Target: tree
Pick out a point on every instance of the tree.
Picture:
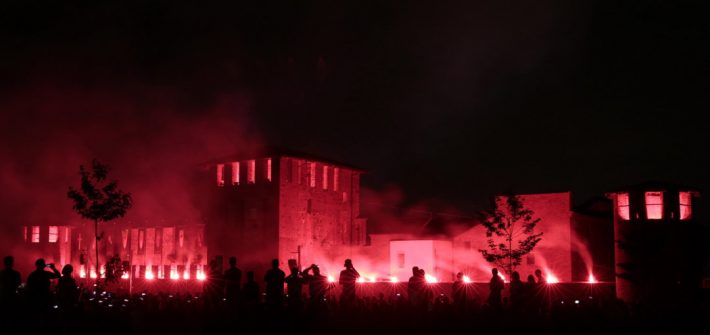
(99, 199)
(510, 229)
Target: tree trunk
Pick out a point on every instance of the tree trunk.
(96, 235)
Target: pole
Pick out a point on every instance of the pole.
(96, 248)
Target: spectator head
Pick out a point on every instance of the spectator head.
(40, 264)
(515, 276)
(494, 271)
(275, 263)
(67, 270)
(9, 262)
(232, 261)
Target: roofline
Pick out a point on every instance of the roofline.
(278, 152)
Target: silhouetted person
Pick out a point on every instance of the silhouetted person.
(9, 282)
(348, 281)
(274, 279)
(516, 288)
(495, 286)
(38, 285)
(250, 291)
(458, 290)
(415, 287)
(232, 282)
(317, 285)
(294, 289)
(540, 280)
(531, 294)
(67, 290)
(213, 286)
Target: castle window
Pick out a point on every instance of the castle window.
(685, 205)
(53, 235)
(400, 260)
(220, 174)
(325, 177)
(531, 259)
(235, 173)
(654, 205)
(24, 233)
(345, 197)
(336, 176)
(35, 234)
(622, 206)
(251, 171)
(268, 169)
(312, 174)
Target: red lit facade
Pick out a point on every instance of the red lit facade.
(291, 207)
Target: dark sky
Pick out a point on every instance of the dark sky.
(446, 101)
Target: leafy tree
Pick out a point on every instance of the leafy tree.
(510, 229)
(99, 199)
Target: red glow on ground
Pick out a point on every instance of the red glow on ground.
(394, 280)
(82, 272)
(149, 274)
(430, 279)
(361, 280)
(551, 279)
(201, 274)
(186, 275)
(331, 279)
(467, 279)
(123, 276)
(591, 279)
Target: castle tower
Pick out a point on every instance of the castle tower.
(286, 205)
(659, 245)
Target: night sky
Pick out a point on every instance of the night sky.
(449, 103)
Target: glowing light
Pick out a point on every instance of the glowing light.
(186, 274)
(331, 279)
(361, 280)
(200, 275)
(124, 275)
(82, 272)
(92, 274)
(174, 273)
(394, 279)
(430, 279)
(467, 279)
(591, 279)
(502, 277)
(551, 279)
(149, 273)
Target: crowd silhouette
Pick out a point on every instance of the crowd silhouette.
(50, 300)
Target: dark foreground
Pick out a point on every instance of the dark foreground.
(144, 313)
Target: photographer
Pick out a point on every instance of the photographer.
(38, 284)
